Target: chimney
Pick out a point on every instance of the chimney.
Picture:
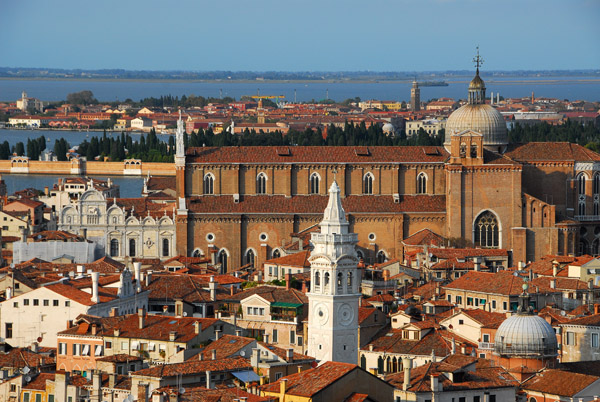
(255, 357)
(23, 235)
(116, 332)
(172, 336)
(148, 278)
(94, 329)
(238, 332)
(141, 317)
(213, 354)
(553, 283)
(289, 355)
(477, 264)
(69, 324)
(142, 395)
(407, 364)
(137, 268)
(112, 380)
(208, 382)
(591, 284)
(96, 392)
(196, 327)
(200, 356)
(282, 387)
(114, 312)
(231, 290)
(95, 277)
(212, 287)
(554, 269)
(46, 191)
(217, 334)
(304, 289)
(266, 338)
(34, 347)
(288, 279)
(434, 383)
(8, 293)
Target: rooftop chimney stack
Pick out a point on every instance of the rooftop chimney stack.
(137, 268)
(212, 287)
(95, 296)
(407, 363)
(217, 334)
(213, 354)
(141, 318)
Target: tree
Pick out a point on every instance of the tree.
(20, 149)
(4, 150)
(81, 98)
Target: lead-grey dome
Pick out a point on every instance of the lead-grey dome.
(480, 118)
(525, 335)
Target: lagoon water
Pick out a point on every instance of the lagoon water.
(572, 88)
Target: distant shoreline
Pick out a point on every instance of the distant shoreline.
(527, 80)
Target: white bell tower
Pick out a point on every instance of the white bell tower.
(334, 295)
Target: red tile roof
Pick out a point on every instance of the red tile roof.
(79, 296)
(191, 367)
(310, 382)
(308, 154)
(39, 383)
(425, 237)
(502, 282)
(299, 259)
(550, 151)
(315, 204)
(272, 294)
(559, 382)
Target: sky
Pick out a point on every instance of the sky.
(307, 35)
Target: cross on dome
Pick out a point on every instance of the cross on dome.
(478, 60)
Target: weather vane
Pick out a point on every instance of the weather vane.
(478, 60)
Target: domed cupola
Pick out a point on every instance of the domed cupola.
(477, 116)
(525, 335)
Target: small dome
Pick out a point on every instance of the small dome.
(481, 118)
(477, 82)
(525, 335)
(388, 128)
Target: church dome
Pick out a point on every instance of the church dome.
(477, 83)
(388, 128)
(480, 118)
(525, 335)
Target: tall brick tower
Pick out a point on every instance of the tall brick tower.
(415, 97)
(181, 218)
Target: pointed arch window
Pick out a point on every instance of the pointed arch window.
(209, 183)
(381, 257)
(223, 260)
(581, 183)
(250, 257)
(314, 183)
(114, 248)
(261, 183)
(487, 231)
(276, 253)
(197, 253)
(581, 207)
(326, 280)
(422, 183)
(368, 183)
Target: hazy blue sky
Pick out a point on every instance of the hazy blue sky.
(292, 35)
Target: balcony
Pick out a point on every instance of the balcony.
(486, 345)
(587, 218)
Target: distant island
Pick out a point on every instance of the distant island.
(426, 78)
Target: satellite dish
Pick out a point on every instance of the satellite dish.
(128, 399)
(563, 313)
(39, 339)
(242, 353)
(185, 313)
(26, 370)
(27, 379)
(182, 390)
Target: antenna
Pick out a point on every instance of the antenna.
(26, 370)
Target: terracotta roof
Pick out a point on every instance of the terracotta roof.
(39, 383)
(315, 204)
(364, 313)
(559, 382)
(393, 342)
(119, 358)
(502, 282)
(272, 294)
(486, 318)
(485, 375)
(20, 357)
(191, 367)
(79, 296)
(282, 353)
(188, 288)
(201, 394)
(592, 321)
(424, 237)
(299, 259)
(550, 151)
(145, 206)
(55, 235)
(226, 346)
(355, 397)
(308, 154)
(312, 381)
(446, 253)
(156, 327)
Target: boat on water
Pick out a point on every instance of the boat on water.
(433, 84)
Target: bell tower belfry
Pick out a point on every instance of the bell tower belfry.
(334, 295)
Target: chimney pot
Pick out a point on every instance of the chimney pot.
(213, 354)
(217, 334)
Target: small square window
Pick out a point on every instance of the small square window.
(55, 303)
(36, 302)
(46, 302)
(67, 303)
(15, 304)
(26, 302)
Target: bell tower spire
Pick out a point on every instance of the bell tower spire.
(335, 280)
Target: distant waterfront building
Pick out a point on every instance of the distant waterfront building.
(26, 103)
(415, 97)
(431, 126)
